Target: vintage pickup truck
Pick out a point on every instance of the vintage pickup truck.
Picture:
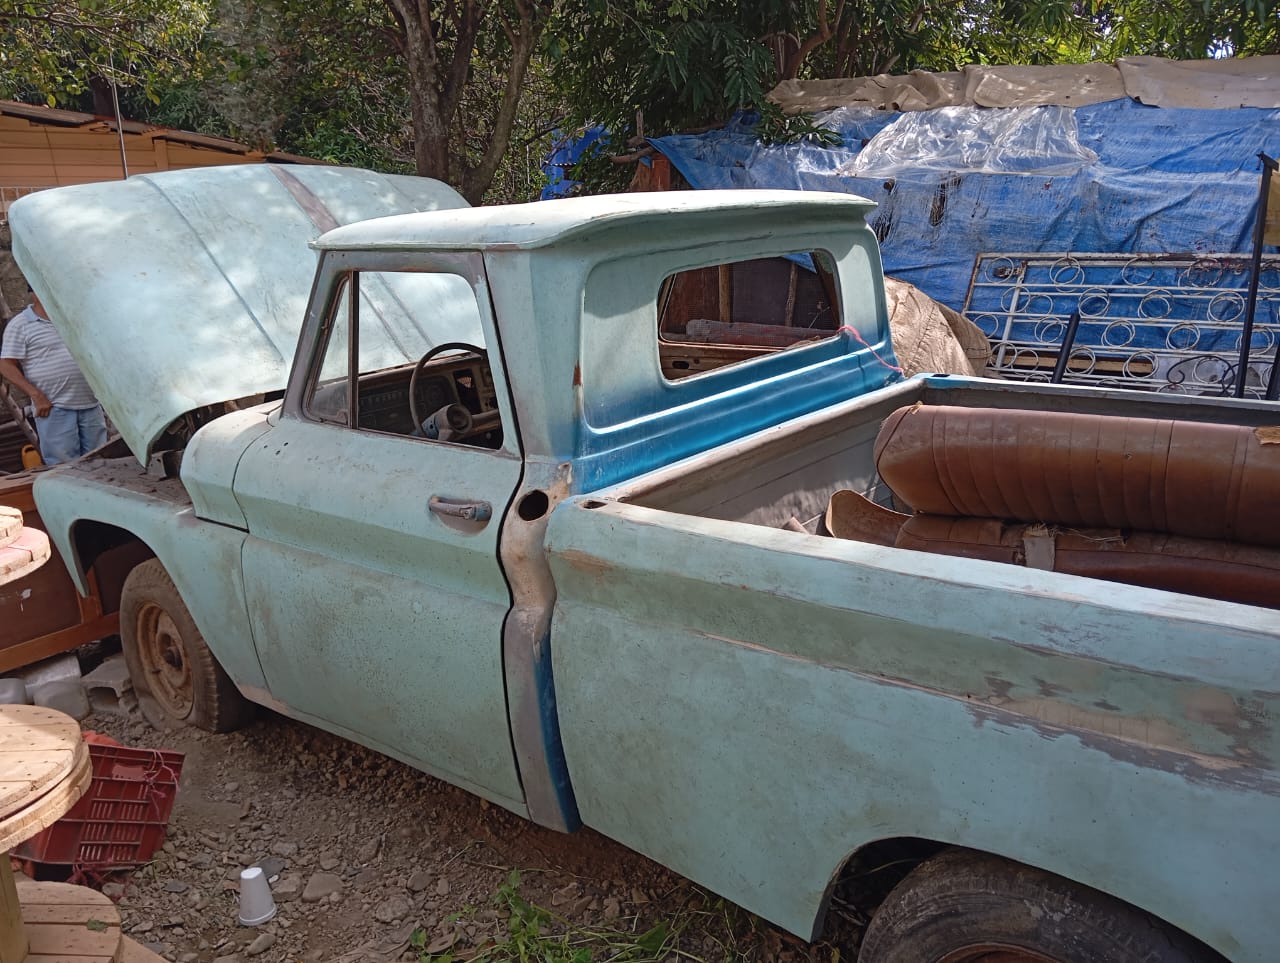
(507, 518)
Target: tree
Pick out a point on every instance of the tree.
(680, 62)
(63, 48)
(439, 42)
(685, 63)
(431, 86)
(1185, 28)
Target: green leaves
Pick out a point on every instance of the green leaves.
(56, 47)
(775, 127)
(683, 62)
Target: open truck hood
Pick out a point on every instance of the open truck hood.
(188, 288)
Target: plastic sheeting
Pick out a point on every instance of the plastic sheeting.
(1017, 140)
(1164, 180)
(1226, 83)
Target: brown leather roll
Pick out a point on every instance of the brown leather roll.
(1084, 471)
(1192, 566)
(854, 516)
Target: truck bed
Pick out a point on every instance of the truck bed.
(1082, 726)
(792, 470)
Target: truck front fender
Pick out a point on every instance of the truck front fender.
(86, 502)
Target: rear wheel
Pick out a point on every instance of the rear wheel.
(176, 678)
(967, 907)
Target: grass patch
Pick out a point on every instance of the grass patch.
(705, 930)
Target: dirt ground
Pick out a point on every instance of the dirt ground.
(364, 851)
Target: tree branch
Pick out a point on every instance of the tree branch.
(824, 32)
(477, 180)
(455, 80)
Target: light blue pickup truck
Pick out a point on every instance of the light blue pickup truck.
(617, 512)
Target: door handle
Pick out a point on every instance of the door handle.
(467, 511)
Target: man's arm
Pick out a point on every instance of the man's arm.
(11, 371)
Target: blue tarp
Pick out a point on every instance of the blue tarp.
(1165, 180)
(566, 152)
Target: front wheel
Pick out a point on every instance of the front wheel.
(175, 676)
(968, 907)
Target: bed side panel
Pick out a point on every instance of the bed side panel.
(748, 706)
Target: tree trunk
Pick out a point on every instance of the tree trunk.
(436, 87)
(523, 40)
(103, 105)
(430, 133)
(431, 117)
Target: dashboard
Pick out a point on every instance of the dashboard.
(383, 399)
(384, 396)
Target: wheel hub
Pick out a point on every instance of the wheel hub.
(996, 953)
(164, 661)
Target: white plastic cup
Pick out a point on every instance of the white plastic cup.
(256, 903)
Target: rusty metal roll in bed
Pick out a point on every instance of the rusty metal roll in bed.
(1092, 471)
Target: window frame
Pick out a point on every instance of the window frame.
(338, 275)
(826, 269)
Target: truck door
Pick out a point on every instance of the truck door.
(371, 570)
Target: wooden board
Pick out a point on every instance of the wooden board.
(50, 807)
(44, 770)
(13, 936)
(10, 524)
(32, 737)
(23, 554)
(26, 772)
(43, 614)
(73, 923)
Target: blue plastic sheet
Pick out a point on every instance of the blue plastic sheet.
(568, 150)
(1165, 180)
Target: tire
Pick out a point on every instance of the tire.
(175, 677)
(968, 907)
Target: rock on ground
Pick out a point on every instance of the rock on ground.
(315, 804)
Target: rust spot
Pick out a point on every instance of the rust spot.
(1000, 687)
(1151, 749)
(577, 375)
(587, 564)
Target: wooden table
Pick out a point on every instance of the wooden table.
(44, 770)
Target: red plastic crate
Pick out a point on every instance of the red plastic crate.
(121, 820)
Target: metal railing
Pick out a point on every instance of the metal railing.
(1165, 322)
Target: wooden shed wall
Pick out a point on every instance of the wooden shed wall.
(64, 147)
(34, 155)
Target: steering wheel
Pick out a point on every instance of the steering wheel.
(418, 416)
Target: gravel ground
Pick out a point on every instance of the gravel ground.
(364, 850)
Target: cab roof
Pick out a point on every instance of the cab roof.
(522, 227)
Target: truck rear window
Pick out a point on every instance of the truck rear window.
(724, 314)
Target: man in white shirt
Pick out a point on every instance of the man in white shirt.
(69, 420)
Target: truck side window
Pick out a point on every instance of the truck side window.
(329, 395)
(724, 314)
(405, 355)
